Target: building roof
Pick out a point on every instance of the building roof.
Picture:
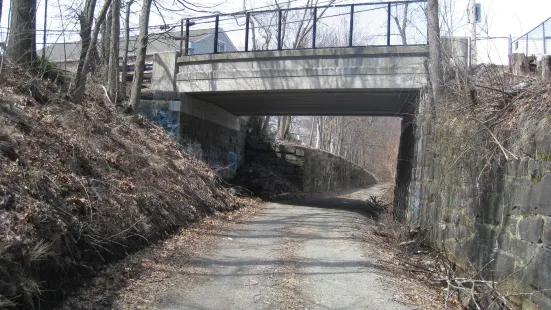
(158, 43)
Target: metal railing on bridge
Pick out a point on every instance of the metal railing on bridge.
(348, 25)
(536, 41)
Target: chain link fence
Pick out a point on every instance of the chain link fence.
(535, 42)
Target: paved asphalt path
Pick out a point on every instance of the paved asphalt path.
(305, 254)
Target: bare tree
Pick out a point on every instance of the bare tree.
(105, 43)
(0, 12)
(403, 24)
(140, 56)
(21, 47)
(113, 67)
(80, 79)
(45, 32)
(435, 51)
(265, 125)
(126, 46)
(86, 18)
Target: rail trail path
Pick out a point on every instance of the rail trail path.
(304, 254)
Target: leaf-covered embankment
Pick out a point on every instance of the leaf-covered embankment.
(83, 185)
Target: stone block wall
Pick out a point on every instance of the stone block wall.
(499, 223)
(285, 160)
(222, 148)
(309, 169)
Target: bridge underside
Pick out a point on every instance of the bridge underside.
(314, 102)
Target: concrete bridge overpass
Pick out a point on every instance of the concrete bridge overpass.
(382, 81)
(207, 98)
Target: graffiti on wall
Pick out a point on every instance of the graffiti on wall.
(232, 162)
(416, 199)
(168, 120)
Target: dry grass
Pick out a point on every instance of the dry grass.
(82, 185)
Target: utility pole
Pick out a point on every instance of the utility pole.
(472, 17)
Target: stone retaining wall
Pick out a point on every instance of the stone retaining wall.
(309, 169)
(499, 223)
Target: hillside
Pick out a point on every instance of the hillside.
(83, 185)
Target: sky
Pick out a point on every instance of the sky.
(501, 18)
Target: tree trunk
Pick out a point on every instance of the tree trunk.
(113, 67)
(80, 78)
(21, 47)
(281, 127)
(125, 50)
(312, 131)
(435, 51)
(341, 136)
(518, 64)
(402, 27)
(546, 67)
(105, 44)
(265, 126)
(140, 57)
(44, 34)
(85, 18)
(0, 12)
(319, 138)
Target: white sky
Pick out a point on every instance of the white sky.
(501, 18)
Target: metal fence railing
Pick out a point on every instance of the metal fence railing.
(536, 42)
(350, 25)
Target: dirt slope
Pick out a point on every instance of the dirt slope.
(81, 186)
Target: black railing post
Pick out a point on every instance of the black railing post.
(216, 22)
(279, 43)
(544, 47)
(315, 19)
(351, 37)
(247, 20)
(186, 42)
(388, 26)
(181, 37)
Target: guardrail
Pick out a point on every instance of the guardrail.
(349, 25)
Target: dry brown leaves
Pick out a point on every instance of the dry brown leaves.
(90, 182)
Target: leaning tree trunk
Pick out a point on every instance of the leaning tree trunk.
(113, 67)
(85, 19)
(21, 47)
(80, 79)
(136, 91)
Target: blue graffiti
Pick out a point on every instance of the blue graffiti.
(416, 200)
(168, 120)
(232, 159)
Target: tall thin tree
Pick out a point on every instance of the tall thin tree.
(125, 48)
(435, 51)
(80, 79)
(113, 66)
(139, 66)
